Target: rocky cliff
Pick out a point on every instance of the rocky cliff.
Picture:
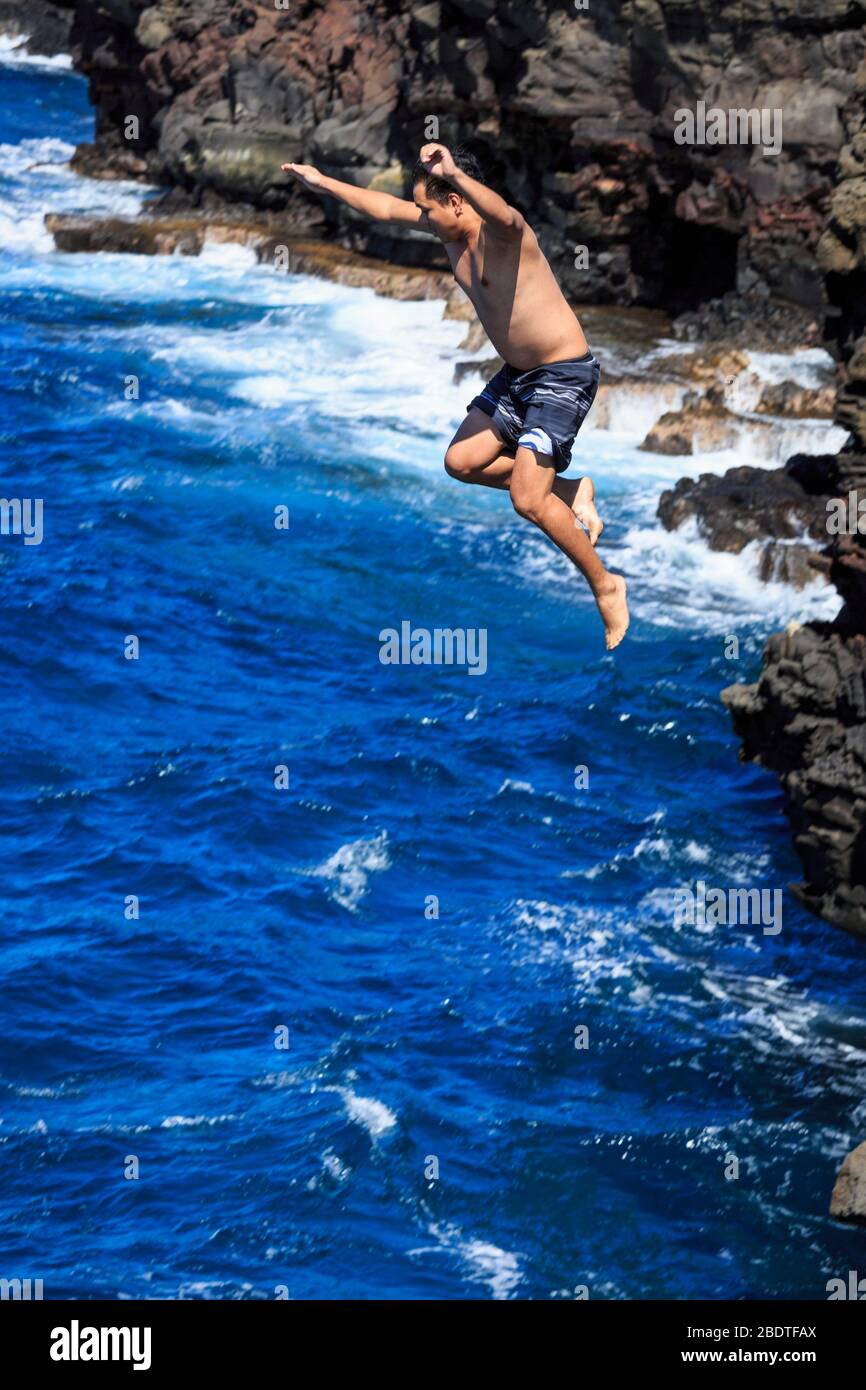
(571, 106)
(806, 716)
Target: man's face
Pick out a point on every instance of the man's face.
(443, 219)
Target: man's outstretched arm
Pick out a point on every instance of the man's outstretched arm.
(502, 220)
(382, 207)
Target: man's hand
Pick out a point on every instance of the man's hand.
(437, 160)
(307, 175)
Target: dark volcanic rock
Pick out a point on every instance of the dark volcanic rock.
(47, 26)
(572, 111)
(806, 715)
(754, 321)
(806, 719)
(746, 504)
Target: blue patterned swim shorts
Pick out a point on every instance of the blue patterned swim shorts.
(544, 408)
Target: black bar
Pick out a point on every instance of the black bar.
(252, 1336)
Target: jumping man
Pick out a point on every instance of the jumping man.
(518, 433)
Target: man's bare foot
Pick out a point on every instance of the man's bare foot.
(584, 510)
(613, 607)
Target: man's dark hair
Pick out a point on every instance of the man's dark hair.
(437, 188)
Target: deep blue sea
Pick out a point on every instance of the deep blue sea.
(416, 1043)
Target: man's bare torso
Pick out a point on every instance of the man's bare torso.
(517, 298)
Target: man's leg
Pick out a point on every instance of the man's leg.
(533, 496)
(477, 454)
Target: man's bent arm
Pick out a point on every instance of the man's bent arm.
(502, 219)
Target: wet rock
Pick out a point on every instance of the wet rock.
(848, 1202)
(709, 366)
(46, 26)
(755, 322)
(702, 425)
(747, 505)
(485, 368)
(798, 402)
(805, 719)
(475, 339)
(271, 242)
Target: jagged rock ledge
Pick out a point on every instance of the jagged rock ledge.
(186, 235)
(572, 112)
(782, 509)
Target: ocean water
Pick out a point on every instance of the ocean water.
(431, 908)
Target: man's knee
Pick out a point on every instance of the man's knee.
(526, 501)
(457, 465)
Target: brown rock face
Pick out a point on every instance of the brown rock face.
(574, 112)
(797, 401)
(848, 1202)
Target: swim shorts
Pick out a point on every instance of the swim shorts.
(544, 408)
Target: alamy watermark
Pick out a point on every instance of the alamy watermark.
(22, 516)
(846, 516)
(77, 1343)
(731, 907)
(853, 1289)
(737, 126)
(21, 1290)
(438, 646)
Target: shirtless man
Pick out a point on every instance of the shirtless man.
(518, 433)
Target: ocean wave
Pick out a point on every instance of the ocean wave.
(334, 1172)
(347, 871)
(194, 1121)
(484, 1262)
(14, 52)
(372, 1115)
(685, 584)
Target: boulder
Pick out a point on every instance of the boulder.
(848, 1202)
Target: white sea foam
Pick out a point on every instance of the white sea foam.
(347, 871)
(485, 1263)
(333, 1170)
(39, 180)
(323, 363)
(810, 368)
(631, 408)
(194, 1121)
(14, 53)
(684, 584)
(759, 440)
(371, 1114)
